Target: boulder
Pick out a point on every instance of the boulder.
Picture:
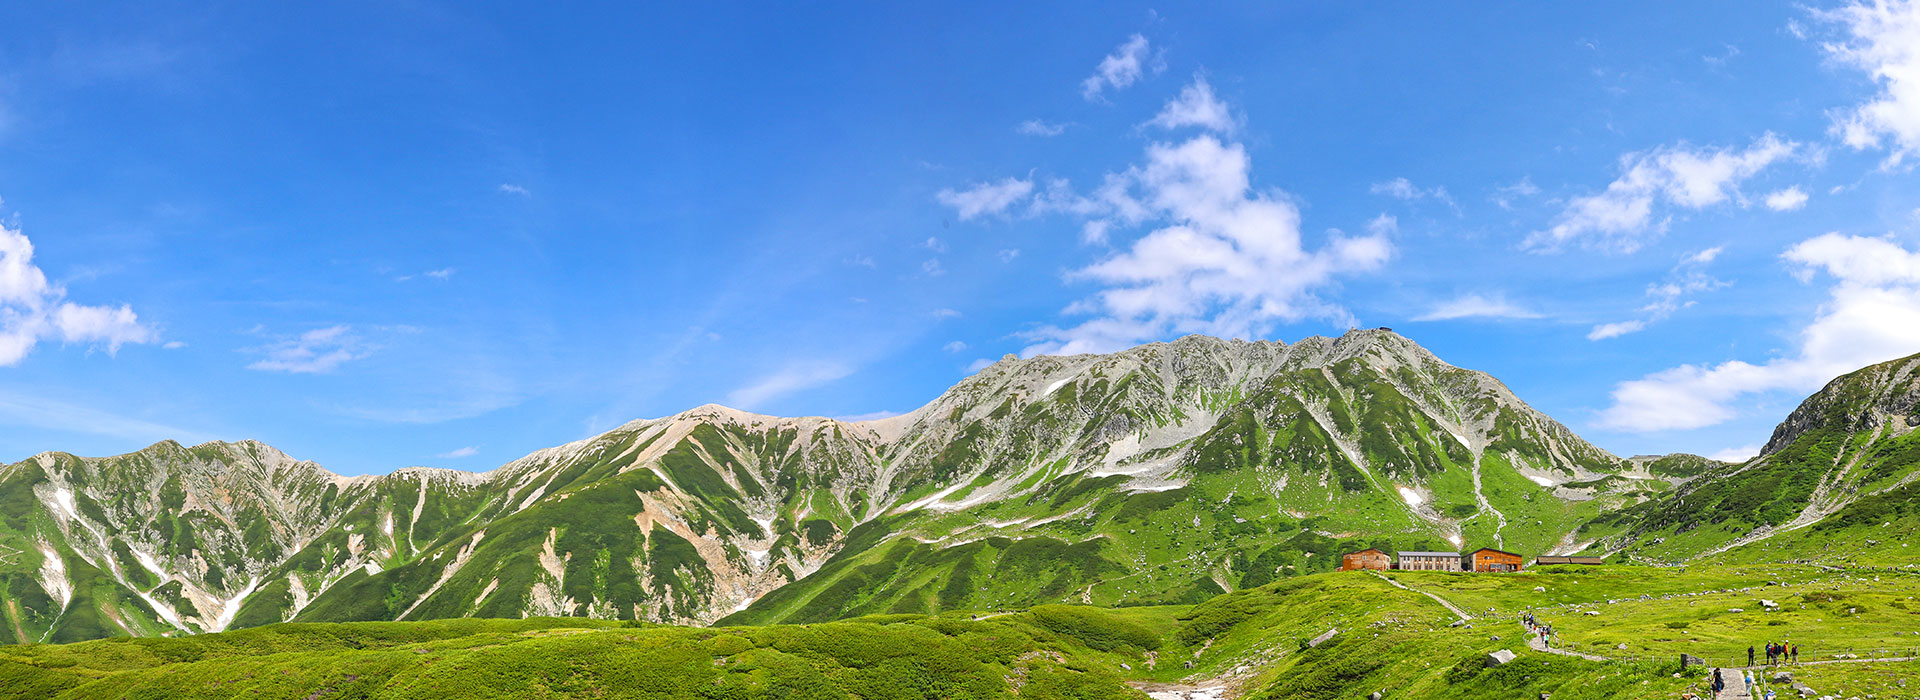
(1500, 658)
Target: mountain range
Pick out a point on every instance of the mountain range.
(1165, 473)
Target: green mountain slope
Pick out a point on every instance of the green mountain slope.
(1835, 475)
(1169, 472)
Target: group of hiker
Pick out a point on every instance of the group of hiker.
(1718, 682)
(1543, 629)
(1777, 653)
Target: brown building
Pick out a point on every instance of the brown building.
(1493, 560)
(1545, 561)
(1429, 561)
(1365, 559)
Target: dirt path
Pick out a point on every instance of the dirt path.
(1535, 643)
(1450, 606)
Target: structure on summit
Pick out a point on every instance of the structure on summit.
(1373, 559)
(1489, 560)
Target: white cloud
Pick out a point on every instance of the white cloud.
(1788, 199)
(1037, 127)
(1008, 255)
(1736, 454)
(515, 190)
(1196, 106)
(979, 364)
(467, 451)
(932, 268)
(315, 351)
(1621, 218)
(174, 345)
(945, 314)
(986, 198)
(796, 377)
(1476, 306)
(1119, 69)
(441, 274)
(1705, 256)
(955, 346)
(863, 417)
(1505, 195)
(1872, 314)
(1615, 330)
(1883, 39)
(936, 245)
(1226, 260)
(1404, 189)
(1687, 278)
(33, 309)
(860, 260)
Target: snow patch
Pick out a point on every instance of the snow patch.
(53, 576)
(151, 564)
(766, 524)
(1541, 480)
(63, 498)
(1136, 486)
(1455, 539)
(1412, 497)
(231, 606)
(1055, 386)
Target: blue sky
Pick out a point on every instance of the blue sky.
(449, 234)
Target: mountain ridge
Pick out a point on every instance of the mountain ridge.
(1166, 472)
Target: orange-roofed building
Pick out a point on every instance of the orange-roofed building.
(1372, 559)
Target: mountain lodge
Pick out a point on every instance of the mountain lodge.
(1490, 560)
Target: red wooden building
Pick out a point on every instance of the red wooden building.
(1487, 559)
(1365, 559)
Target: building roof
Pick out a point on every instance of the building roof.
(1363, 551)
(1430, 554)
(1490, 549)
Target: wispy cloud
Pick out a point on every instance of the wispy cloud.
(986, 198)
(955, 346)
(1688, 277)
(43, 413)
(863, 417)
(517, 190)
(796, 377)
(1477, 306)
(1041, 128)
(1121, 68)
(1621, 218)
(468, 451)
(1403, 189)
(1872, 314)
(315, 351)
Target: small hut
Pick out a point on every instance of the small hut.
(1373, 559)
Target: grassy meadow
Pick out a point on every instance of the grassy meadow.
(1391, 640)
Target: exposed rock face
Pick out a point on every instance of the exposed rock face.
(1035, 480)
